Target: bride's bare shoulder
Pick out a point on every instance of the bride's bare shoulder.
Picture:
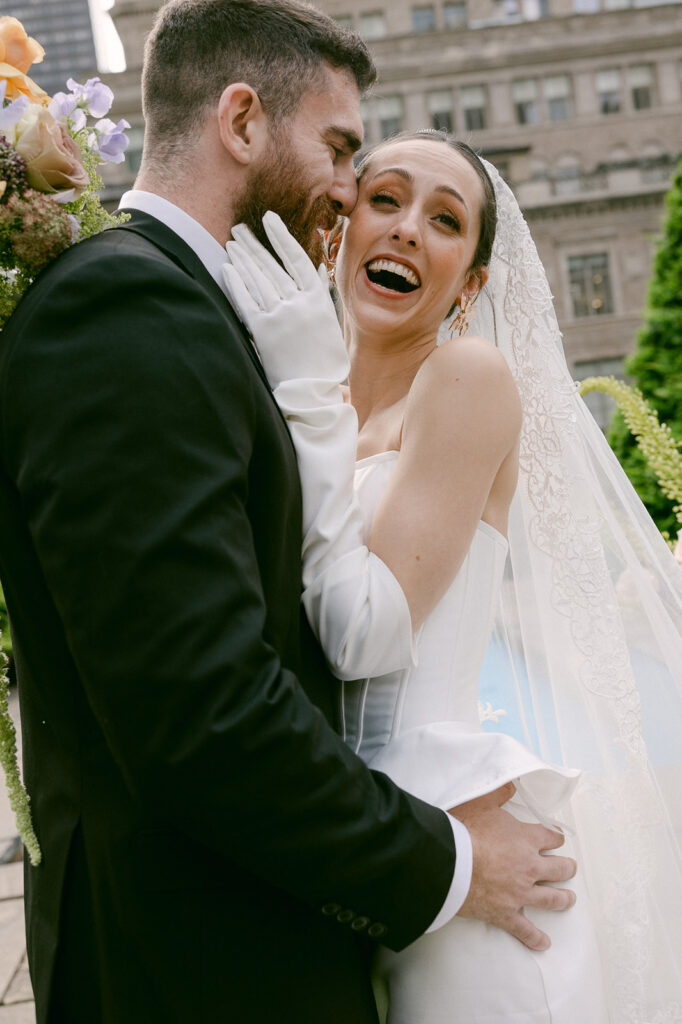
(471, 363)
(466, 381)
(472, 353)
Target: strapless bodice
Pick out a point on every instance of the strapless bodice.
(421, 724)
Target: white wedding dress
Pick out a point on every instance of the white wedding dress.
(420, 726)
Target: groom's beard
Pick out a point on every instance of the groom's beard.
(279, 185)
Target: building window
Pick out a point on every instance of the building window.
(390, 111)
(366, 114)
(534, 9)
(600, 405)
(474, 103)
(608, 90)
(440, 109)
(586, 6)
(617, 5)
(525, 93)
(641, 82)
(590, 284)
(455, 15)
(655, 165)
(567, 175)
(373, 25)
(344, 20)
(559, 98)
(424, 19)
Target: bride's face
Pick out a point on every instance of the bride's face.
(408, 246)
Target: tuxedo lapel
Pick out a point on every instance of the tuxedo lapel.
(184, 256)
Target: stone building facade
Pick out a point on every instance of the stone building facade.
(578, 102)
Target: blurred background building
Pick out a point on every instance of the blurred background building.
(78, 37)
(577, 102)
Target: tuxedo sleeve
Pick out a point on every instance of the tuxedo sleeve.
(130, 428)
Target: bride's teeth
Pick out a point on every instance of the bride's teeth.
(395, 268)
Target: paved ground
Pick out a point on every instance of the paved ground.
(16, 997)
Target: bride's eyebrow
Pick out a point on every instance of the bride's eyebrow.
(400, 171)
(407, 176)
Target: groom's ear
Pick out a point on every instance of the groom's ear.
(242, 123)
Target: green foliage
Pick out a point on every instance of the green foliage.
(5, 640)
(657, 449)
(656, 365)
(92, 217)
(19, 799)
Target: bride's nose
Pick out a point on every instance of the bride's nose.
(407, 231)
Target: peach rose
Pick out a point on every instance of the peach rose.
(53, 159)
(17, 52)
(16, 48)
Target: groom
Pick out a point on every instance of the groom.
(212, 850)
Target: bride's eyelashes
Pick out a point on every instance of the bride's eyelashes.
(450, 221)
(379, 198)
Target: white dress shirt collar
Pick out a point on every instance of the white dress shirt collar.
(210, 252)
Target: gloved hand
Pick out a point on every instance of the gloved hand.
(353, 601)
(289, 312)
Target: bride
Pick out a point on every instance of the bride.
(483, 580)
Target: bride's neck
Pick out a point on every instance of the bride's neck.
(382, 369)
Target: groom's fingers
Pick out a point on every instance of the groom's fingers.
(526, 932)
(548, 897)
(549, 839)
(556, 869)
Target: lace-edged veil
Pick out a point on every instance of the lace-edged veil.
(586, 662)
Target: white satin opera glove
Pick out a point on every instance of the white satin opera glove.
(353, 601)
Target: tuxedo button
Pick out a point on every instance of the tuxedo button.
(331, 909)
(377, 930)
(345, 917)
(359, 924)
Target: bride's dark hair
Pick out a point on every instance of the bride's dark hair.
(488, 206)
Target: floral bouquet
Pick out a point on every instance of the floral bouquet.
(49, 153)
(49, 199)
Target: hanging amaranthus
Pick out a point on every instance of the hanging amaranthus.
(18, 797)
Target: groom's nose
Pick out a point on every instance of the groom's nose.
(343, 193)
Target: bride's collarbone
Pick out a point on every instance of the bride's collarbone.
(382, 431)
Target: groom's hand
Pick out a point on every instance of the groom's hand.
(509, 868)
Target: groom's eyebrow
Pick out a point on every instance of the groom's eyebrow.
(351, 141)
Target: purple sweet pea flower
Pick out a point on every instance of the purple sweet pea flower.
(112, 140)
(13, 112)
(62, 104)
(94, 96)
(64, 107)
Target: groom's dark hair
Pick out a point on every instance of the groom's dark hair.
(196, 48)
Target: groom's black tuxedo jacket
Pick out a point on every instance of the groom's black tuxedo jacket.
(212, 851)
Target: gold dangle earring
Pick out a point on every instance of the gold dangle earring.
(460, 325)
(332, 244)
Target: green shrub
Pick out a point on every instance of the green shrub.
(656, 365)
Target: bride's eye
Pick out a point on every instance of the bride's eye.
(383, 198)
(450, 221)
